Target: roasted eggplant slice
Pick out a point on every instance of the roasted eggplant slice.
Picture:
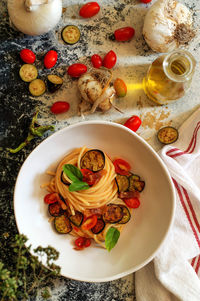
(167, 135)
(135, 184)
(63, 179)
(122, 183)
(112, 214)
(55, 209)
(54, 82)
(76, 219)
(37, 87)
(62, 224)
(70, 34)
(93, 160)
(126, 215)
(100, 225)
(28, 72)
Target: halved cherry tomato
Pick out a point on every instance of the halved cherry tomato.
(145, 1)
(132, 203)
(88, 176)
(76, 70)
(124, 34)
(89, 223)
(50, 198)
(133, 123)
(121, 167)
(96, 61)
(50, 59)
(110, 59)
(89, 10)
(120, 87)
(60, 107)
(82, 242)
(27, 56)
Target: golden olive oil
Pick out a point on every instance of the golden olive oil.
(169, 77)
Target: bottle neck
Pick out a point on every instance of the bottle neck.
(179, 66)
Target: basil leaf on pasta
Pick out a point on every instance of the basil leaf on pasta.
(78, 185)
(112, 237)
(73, 173)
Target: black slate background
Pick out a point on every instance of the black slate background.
(16, 111)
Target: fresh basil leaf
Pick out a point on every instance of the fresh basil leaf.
(112, 237)
(78, 185)
(73, 173)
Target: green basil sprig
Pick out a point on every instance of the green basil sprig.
(75, 175)
(112, 237)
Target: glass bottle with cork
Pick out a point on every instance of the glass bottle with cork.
(169, 77)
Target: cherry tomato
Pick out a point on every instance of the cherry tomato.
(90, 222)
(133, 123)
(82, 242)
(124, 34)
(120, 87)
(50, 198)
(132, 203)
(89, 10)
(27, 56)
(60, 107)
(76, 70)
(121, 167)
(145, 1)
(50, 59)
(96, 61)
(110, 59)
(88, 176)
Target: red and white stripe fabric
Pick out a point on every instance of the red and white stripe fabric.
(174, 274)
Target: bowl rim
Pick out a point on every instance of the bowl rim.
(154, 153)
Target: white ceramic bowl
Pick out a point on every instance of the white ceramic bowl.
(142, 236)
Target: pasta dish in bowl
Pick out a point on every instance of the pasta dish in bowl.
(100, 195)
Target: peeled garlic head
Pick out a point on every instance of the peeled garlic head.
(164, 24)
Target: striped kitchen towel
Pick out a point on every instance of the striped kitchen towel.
(174, 274)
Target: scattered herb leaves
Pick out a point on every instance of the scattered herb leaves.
(75, 175)
(112, 237)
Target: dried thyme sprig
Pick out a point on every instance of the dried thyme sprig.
(26, 273)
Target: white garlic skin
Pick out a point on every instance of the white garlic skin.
(160, 24)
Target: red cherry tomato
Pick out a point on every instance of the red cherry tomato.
(110, 59)
(50, 198)
(120, 87)
(89, 10)
(121, 167)
(76, 70)
(60, 107)
(96, 61)
(124, 34)
(50, 59)
(27, 56)
(145, 1)
(133, 123)
(88, 176)
(132, 203)
(82, 242)
(90, 222)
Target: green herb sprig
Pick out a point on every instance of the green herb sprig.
(112, 237)
(26, 273)
(35, 130)
(75, 175)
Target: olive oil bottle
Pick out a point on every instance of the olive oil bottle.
(169, 77)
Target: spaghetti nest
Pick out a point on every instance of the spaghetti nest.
(100, 194)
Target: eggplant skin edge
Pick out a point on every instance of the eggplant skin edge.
(89, 167)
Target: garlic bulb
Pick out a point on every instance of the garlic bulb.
(96, 91)
(167, 24)
(34, 17)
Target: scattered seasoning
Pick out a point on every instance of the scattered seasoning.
(184, 33)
